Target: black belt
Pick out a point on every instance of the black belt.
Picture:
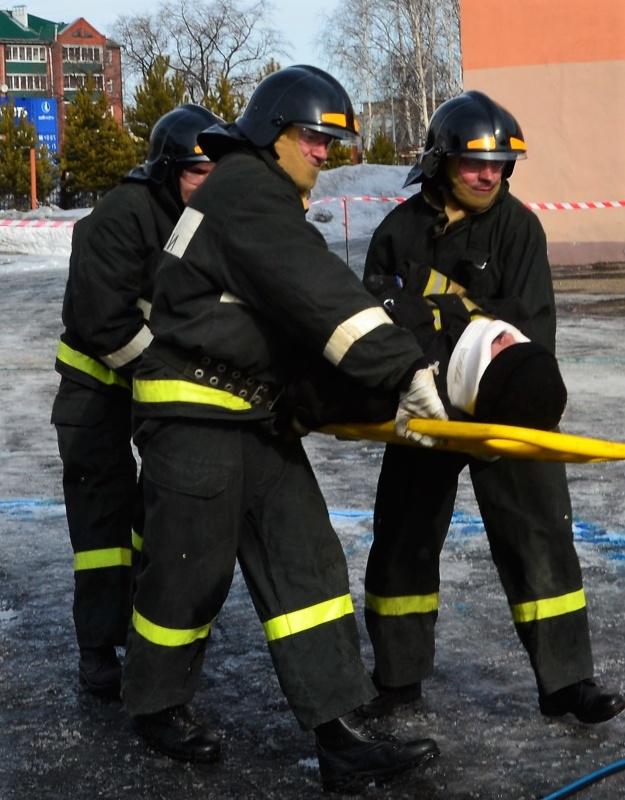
(218, 375)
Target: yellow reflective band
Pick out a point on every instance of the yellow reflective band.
(307, 618)
(437, 283)
(436, 313)
(97, 559)
(167, 637)
(169, 391)
(353, 329)
(517, 144)
(77, 360)
(485, 143)
(338, 119)
(400, 606)
(137, 541)
(549, 607)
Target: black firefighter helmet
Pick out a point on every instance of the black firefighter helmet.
(299, 95)
(471, 125)
(174, 139)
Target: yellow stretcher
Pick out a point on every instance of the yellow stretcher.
(484, 439)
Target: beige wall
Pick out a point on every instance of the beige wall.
(561, 71)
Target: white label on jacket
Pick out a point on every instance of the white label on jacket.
(184, 231)
(352, 330)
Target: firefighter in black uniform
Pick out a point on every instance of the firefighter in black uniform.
(105, 312)
(466, 227)
(245, 288)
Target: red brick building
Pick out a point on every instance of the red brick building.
(42, 58)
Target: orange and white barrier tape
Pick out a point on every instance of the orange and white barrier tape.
(533, 206)
(37, 223)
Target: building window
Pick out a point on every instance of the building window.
(78, 80)
(21, 53)
(27, 83)
(91, 54)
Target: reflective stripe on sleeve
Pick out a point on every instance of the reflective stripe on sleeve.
(307, 618)
(83, 363)
(226, 297)
(400, 606)
(437, 283)
(98, 559)
(129, 351)
(167, 637)
(549, 607)
(146, 308)
(353, 329)
(184, 231)
(137, 541)
(172, 391)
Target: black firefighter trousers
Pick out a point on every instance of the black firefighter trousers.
(100, 488)
(526, 511)
(216, 492)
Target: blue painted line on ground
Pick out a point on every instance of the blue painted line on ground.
(602, 362)
(610, 542)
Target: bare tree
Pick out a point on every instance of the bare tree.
(206, 42)
(401, 59)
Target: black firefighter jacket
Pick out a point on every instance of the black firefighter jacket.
(108, 295)
(499, 257)
(248, 289)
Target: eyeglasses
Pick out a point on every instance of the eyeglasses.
(197, 173)
(479, 164)
(315, 138)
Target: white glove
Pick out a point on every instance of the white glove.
(419, 400)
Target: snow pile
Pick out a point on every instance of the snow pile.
(360, 196)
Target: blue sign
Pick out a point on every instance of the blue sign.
(41, 111)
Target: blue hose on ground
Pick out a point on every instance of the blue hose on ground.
(573, 788)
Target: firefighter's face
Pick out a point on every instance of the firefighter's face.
(192, 177)
(499, 343)
(480, 175)
(314, 146)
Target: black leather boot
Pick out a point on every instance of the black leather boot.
(175, 733)
(349, 760)
(585, 700)
(99, 671)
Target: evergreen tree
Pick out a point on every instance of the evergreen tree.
(18, 137)
(224, 102)
(155, 96)
(382, 150)
(97, 152)
(339, 155)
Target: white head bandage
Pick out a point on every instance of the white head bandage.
(471, 356)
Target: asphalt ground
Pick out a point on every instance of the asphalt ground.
(57, 742)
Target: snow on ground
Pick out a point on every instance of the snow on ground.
(56, 742)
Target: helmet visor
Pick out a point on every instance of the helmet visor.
(338, 126)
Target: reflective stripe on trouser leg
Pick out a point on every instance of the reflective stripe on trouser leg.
(210, 489)
(527, 514)
(99, 484)
(296, 573)
(192, 488)
(414, 506)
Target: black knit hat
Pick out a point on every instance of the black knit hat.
(522, 386)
